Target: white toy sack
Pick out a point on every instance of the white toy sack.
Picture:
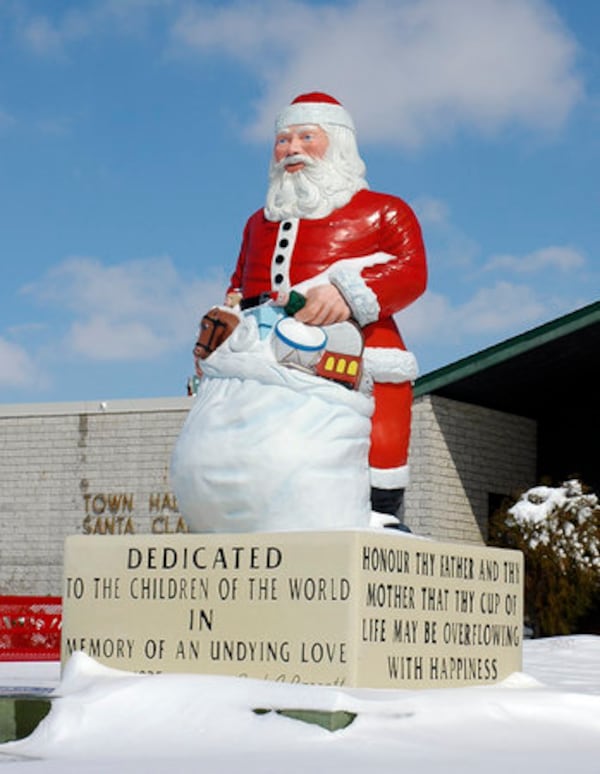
(268, 446)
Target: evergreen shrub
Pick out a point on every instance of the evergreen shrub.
(558, 531)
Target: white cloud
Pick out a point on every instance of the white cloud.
(6, 120)
(103, 338)
(42, 37)
(409, 70)
(432, 211)
(50, 35)
(17, 368)
(555, 257)
(443, 238)
(426, 317)
(504, 306)
(136, 310)
(440, 322)
(492, 314)
(57, 126)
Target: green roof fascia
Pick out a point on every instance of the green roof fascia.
(499, 353)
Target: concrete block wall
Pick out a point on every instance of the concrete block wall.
(104, 469)
(459, 455)
(81, 468)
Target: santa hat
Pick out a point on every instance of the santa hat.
(314, 108)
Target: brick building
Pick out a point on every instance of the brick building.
(483, 428)
(503, 419)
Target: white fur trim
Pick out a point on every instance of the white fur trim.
(355, 265)
(390, 364)
(382, 520)
(390, 478)
(313, 113)
(357, 294)
(345, 275)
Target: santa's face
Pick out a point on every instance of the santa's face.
(299, 140)
(314, 170)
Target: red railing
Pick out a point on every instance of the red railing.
(30, 628)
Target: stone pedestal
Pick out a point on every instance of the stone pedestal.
(358, 608)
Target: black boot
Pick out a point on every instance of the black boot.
(390, 501)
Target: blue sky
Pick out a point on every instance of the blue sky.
(135, 137)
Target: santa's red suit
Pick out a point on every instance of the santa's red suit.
(371, 249)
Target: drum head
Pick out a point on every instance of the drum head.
(297, 335)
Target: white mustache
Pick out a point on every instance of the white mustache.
(297, 158)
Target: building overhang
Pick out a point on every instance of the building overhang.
(551, 368)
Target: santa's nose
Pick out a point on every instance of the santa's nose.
(295, 146)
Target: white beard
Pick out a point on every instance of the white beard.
(312, 192)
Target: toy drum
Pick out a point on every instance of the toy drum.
(299, 345)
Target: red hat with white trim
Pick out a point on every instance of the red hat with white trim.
(314, 108)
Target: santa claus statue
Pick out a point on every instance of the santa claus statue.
(353, 255)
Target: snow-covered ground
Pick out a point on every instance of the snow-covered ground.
(543, 720)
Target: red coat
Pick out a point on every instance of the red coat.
(370, 223)
(372, 250)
